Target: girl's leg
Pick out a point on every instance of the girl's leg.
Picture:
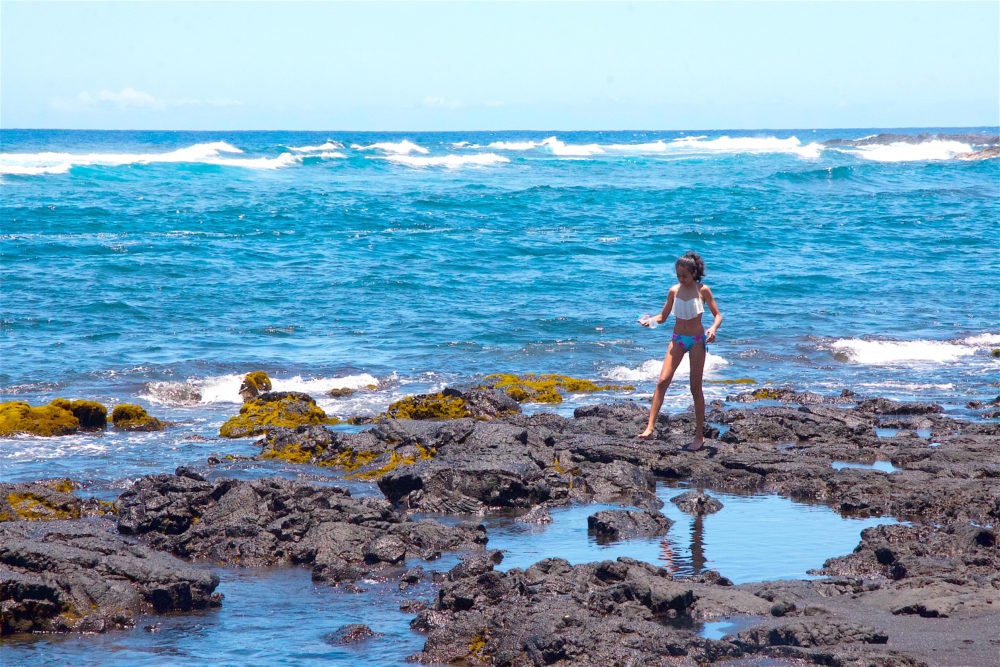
(670, 363)
(697, 359)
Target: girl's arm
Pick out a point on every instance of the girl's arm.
(706, 296)
(667, 307)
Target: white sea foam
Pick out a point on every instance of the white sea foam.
(329, 155)
(983, 340)
(650, 370)
(513, 145)
(901, 151)
(891, 353)
(459, 144)
(449, 161)
(404, 147)
(330, 145)
(226, 388)
(727, 144)
(35, 448)
(47, 162)
(562, 149)
(658, 146)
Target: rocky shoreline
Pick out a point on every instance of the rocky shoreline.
(923, 592)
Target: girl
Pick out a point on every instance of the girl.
(687, 300)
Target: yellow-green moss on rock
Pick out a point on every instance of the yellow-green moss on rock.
(429, 406)
(544, 388)
(340, 392)
(131, 417)
(732, 381)
(254, 384)
(767, 394)
(46, 420)
(91, 414)
(32, 507)
(287, 409)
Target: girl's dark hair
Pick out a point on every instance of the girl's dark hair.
(693, 262)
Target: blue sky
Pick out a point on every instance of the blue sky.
(467, 66)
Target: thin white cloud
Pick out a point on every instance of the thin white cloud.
(445, 103)
(130, 98)
(442, 103)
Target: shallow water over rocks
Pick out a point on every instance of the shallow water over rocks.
(753, 538)
(268, 617)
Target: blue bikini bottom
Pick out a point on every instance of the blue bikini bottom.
(687, 342)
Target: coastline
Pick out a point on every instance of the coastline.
(904, 588)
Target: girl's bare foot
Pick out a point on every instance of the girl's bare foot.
(696, 444)
(645, 435)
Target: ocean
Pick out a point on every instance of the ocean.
(160, 267)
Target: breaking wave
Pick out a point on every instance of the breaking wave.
(449, 161)
(215, 152)
(404, 147)
(649, 371)
(903, 151)
(226, 388)
(907, 352)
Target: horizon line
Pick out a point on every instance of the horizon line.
(728, 129)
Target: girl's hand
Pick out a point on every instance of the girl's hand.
(710, 335)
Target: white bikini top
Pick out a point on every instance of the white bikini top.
(685, 309)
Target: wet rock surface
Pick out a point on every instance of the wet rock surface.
(697, 503)
(79, 576)
(860, 616)
(613, 525)
(275, 521)
(909, 594)
(45, 500)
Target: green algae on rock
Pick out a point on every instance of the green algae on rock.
(732, 381)
(544, 388)
(254, 384)
(429, 406)
(46, 420)
(91, 414)
(340, 392)
(46, 500)
(131, 417)
(274, 409)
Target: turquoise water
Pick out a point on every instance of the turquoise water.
(273, 616)
(799, 538)
(159, 267)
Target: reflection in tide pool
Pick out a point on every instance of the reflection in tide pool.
(753, 538)
(881, 466)
(268, 617)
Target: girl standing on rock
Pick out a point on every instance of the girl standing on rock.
(687, 299)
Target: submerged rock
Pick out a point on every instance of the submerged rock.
(273, 521)
(350, 634)
(130, 417)
(696, 502)
(73, 576)
(614, 525)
